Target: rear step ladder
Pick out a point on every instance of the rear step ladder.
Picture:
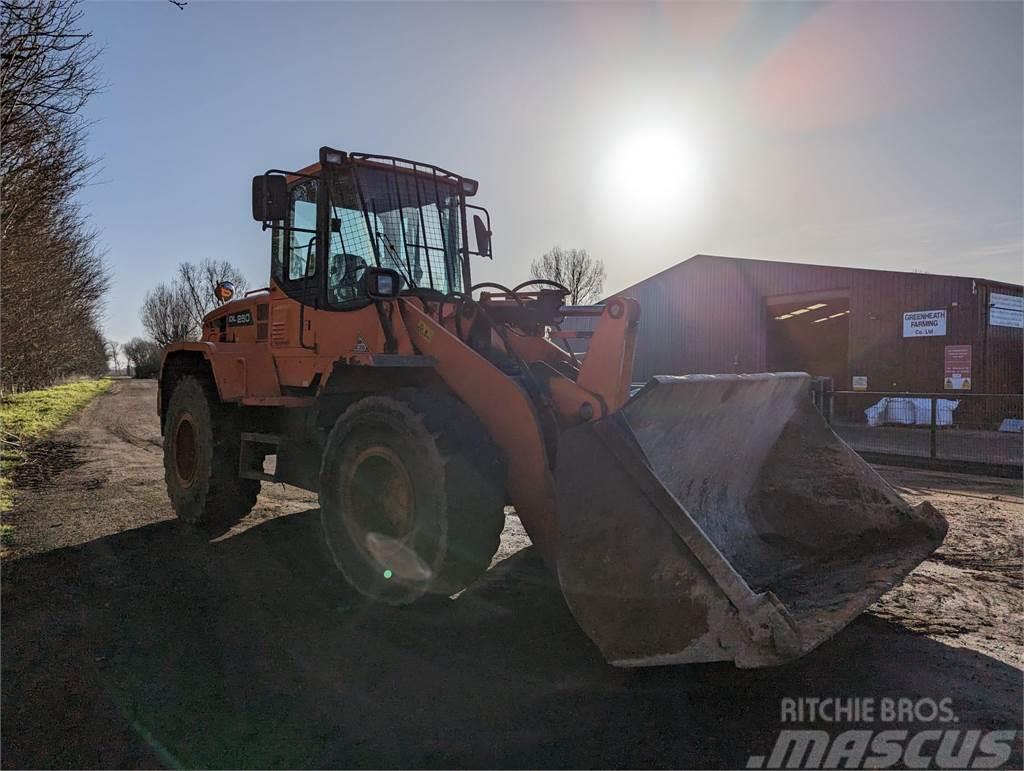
(255, 447)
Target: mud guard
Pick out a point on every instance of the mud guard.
(718, 517)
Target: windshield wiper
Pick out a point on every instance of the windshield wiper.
(397, 258)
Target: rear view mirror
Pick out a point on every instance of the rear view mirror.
(269, 198)
(483, 237)
(224, 291)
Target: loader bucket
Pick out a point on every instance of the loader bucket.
(719, 518)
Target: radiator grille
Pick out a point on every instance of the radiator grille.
(280, 325)
(262, 316)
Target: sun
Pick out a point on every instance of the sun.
(653, 173)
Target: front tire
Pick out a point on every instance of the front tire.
(202, 442)
(411, 495)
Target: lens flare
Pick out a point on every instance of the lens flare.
(654, 173)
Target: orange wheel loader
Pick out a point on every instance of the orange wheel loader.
(705, 518)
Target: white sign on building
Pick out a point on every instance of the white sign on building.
(1005, 310)
(924, 323)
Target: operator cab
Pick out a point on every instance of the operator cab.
(354, 228)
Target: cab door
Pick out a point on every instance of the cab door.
(297, 275)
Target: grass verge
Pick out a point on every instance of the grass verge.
(27, 416)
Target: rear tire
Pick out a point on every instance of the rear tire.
(412, 495)
(202, 442)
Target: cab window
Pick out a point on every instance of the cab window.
(350, 251)
(394, 220)
(295, 245)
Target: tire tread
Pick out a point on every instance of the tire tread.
(228, 497)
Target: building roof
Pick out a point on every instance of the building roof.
(701, 257)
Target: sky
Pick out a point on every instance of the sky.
(872, 134)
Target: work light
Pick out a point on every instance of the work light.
(382, 283)
(330, 156)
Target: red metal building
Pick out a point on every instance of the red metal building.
(874, 330)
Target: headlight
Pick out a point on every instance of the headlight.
(382, 283)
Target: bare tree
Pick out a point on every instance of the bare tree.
(49, 74)
(53, 278)
(143, 357)
(173, 312)
(131, 354)
(580, 273)
(166, 315)
(114, 350)
(198, 282)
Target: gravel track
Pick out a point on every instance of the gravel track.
(130, 640)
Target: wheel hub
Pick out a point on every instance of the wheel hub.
(185, 444)
(379, 494)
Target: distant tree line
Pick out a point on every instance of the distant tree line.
(53, 279)
(142, 357)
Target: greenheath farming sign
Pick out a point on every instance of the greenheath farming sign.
(924, 323)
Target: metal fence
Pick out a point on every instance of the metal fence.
(953, 430)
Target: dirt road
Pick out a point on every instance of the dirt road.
(130, 640)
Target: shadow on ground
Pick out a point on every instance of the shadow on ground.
(156, 647)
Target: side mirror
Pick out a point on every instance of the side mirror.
(483, 237)
(269, 198)
(224, 291)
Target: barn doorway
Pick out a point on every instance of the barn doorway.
(810, 333)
